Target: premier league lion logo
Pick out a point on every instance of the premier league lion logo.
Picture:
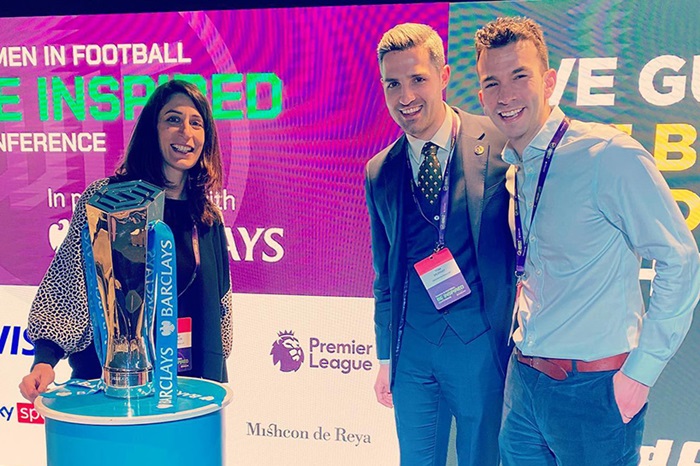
(287, 352)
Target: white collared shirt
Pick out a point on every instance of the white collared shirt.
(442, 138)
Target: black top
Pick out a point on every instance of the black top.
(189, 277)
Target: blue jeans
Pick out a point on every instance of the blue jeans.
(572, 422)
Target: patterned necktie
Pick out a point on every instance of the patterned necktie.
(430, 173)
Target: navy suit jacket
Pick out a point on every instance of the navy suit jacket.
(387, 174)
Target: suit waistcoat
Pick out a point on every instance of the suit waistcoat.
(465, 317)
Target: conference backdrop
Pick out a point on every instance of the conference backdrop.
(299, 109)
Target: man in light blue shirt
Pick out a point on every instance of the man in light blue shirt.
(589, 204)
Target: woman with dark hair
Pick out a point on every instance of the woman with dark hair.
(175, 146)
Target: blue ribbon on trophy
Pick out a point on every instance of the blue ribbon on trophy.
(131, 283)
(99, 326)
(161, 296)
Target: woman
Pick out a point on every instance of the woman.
(174, 145)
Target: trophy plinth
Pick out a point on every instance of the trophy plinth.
(121, 383)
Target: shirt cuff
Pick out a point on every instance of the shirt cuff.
(384, 361)
(643, 367)
(47, 352)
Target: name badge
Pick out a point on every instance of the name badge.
(442, 278)
(184, 344)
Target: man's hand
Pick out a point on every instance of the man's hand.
(36, 381)
(381, 386)
(630, 395)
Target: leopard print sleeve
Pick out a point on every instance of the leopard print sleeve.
(226, 303)
(226, 323)
(59, 312)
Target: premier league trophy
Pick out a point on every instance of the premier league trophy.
(130, 273)
(119, 219)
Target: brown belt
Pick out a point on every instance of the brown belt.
(559, 369)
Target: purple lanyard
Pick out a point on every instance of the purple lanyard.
(444, 191)
(521, 245)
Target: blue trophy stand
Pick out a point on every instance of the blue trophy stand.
(91, 428)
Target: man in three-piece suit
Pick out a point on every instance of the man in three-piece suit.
(443, 258)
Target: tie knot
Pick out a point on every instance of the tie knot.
(429, 149)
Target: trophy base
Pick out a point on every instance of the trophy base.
(128, 384)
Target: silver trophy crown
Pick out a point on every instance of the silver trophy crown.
(118, 216)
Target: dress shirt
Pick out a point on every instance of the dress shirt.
(604, 206)
(442, 139)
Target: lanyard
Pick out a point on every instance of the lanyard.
(521, 246)
(197, 260)
(444, 191)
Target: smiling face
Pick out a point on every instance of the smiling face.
(413, 87)
(515, 89)
(181, 136)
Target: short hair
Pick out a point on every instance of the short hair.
(508, 30)
(408, 35)
(144, 160)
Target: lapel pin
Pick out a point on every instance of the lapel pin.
(479, 149)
